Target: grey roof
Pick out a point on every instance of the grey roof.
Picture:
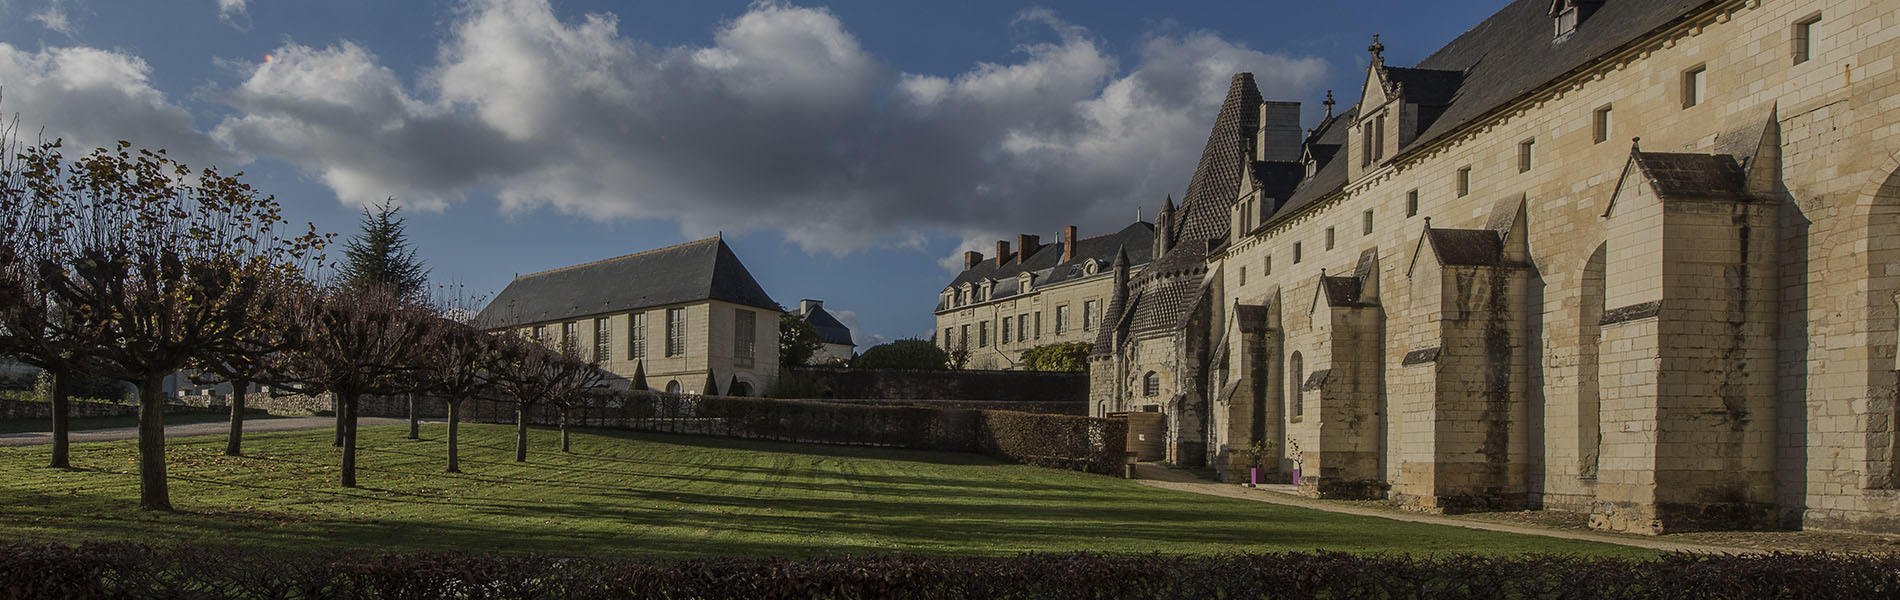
(1342, 291)
(1676, 175)
(1466, 247)
(702, 270)
(1049, 269)
(1168, 287)
(830, 330)
(1512, 53)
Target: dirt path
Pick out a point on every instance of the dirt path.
(1173, 479)
(194, 429)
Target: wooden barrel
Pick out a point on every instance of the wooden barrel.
(1145, 432)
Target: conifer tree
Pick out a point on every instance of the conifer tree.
(639, 377)
(712, 385)
(381, 255)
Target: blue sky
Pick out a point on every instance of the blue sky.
(848, 151)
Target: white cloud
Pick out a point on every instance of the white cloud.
(94, 98)
(54, 18)
(784, 122)
(235, 13)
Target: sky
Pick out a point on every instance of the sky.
(848, 151)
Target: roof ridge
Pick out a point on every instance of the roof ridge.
(621, 257)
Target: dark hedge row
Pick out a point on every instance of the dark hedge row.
(1060, 441)
(133, 571)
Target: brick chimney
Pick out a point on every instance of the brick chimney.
(1002, 252)
(1068, 243)
(1026, 246)
(971, 257)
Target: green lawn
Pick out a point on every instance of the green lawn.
(625, 494)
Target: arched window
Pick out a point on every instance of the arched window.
(1151, 384)
(1298, 370)
(673, 387)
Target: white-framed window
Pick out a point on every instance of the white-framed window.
(636, 335)
(1694, 85)
(1062, 319)
(676, 332)
(1022, 327)
(745, 337)
(1038, 328)
(949, 343)
(963, 341)
(570, 336)
(1008, 323)
(603, 339)
(983, 334)
(1600, 124)
(1091, 312)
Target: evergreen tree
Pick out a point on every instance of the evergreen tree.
(712, 385)
(639, 377)
(381, 255)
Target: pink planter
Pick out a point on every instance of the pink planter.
(1253, 475)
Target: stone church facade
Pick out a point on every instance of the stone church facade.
(1637, 259)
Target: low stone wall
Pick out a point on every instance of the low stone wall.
(907, 384)
(1061, 407)
(21, 409)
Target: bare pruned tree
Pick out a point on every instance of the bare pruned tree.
(251, 356)
(458, 364)
(528, 373)
(354, 344)
(155, 263)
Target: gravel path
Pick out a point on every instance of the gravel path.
(194, 429)
(1173, 479)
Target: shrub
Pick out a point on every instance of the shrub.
(137, 571)
(903, 354)
(1072, 357)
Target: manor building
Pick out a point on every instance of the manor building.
(676, 313)
(1036, 295)
(1633, 258)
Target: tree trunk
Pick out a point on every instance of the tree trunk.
(336, 406)
(455, 421)
(62, 426)
(154, 494)
(415, 425)
(348, 406)
(234, 445)
(521, 433)
(564, 430)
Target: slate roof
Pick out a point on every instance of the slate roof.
(1466, 247)
(702, 270)
(830, 330)
(1169, 285)
(1508, 55)
(1675, 175)
(1046, 262)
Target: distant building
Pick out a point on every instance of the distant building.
(682, 310)
(1034, 296)
(837, 346)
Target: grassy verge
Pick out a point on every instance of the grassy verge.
(622, 494)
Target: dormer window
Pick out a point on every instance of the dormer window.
(1025, 282)
(1568, 14)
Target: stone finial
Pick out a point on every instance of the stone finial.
(1329, 103)
(1377, 49)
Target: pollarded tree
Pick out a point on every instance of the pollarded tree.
(252, 356)
(160, 264)
(458, 363)
(573, 379)
(27, 318)
(529, 373)
(353, 344)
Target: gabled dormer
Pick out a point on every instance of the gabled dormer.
(1568, 15)
(1395, 105)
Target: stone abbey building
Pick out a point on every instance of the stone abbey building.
(1633, 258)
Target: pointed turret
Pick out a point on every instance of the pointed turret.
(1121, 272)
(1164, 227)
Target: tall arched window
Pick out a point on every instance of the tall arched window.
(1151, 384)
(1298, 369)
(673, 387)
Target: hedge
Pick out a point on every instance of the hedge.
(138, 571)
(1080, 443)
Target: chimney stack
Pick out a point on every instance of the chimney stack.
(807, 305)
(1026, 246)
(1280, 138)
(1002, 252)
(971, 257)
(1068, 243)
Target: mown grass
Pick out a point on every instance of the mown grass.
(622, 494)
